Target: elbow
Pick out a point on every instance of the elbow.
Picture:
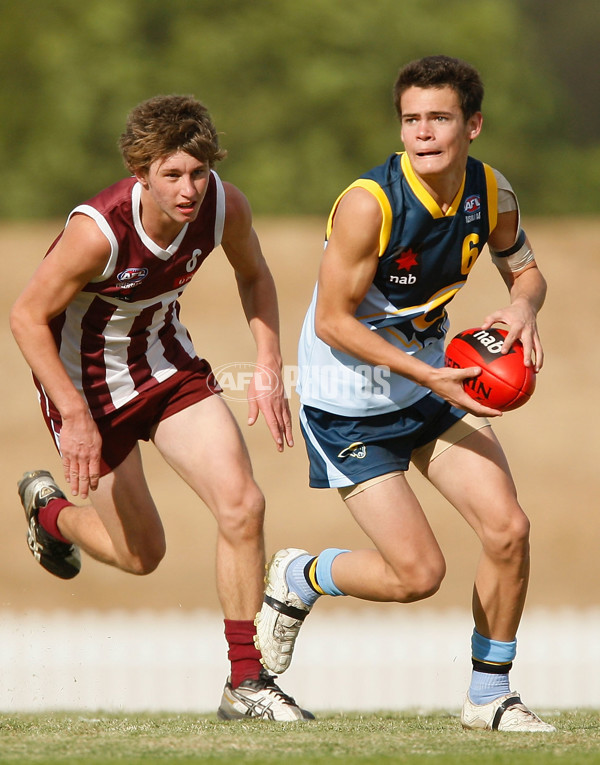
(321, 333)
(16, 322)
(337, 327)
(20, 322)
(543, 287)
(325, 330)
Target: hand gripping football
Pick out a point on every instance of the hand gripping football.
(505, 382)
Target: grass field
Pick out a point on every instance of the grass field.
(351, 739)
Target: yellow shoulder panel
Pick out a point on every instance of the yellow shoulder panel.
(492, 195)
(384, 203)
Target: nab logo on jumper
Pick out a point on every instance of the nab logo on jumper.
(405, 262)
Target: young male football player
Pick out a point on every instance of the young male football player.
(375, 394)
(99, 325)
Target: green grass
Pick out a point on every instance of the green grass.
(335, 738)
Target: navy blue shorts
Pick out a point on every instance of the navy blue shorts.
(343, 451)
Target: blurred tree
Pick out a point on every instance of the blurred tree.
(568, 50)
(300, 91)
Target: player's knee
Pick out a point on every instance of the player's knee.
(508, 540)
(144, 560)
(426, 582)
(419, 581)
(243, 519)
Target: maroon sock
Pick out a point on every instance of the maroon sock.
(244, 657)
(48, 517)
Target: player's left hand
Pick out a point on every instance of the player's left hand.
(266, 394)
(521, 322)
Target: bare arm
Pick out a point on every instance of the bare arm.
(347, 271)
(259, 301)
(527, 289)
(80, 255)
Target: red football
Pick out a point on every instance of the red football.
(505, 382)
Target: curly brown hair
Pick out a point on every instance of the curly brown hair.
(438, 71)
(163, 125)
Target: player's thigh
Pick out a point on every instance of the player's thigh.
(204, 445)
(391, 516)
(475, 477)
(125, 505)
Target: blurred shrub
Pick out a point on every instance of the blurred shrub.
(301, 92)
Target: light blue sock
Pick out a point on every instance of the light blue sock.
(488, 686)
(296, 580)
(323, 572)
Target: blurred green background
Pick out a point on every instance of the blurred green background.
(299, 89)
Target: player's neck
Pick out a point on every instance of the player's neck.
(161, 228)
(443, 188)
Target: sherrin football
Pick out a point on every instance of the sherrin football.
(505, 382)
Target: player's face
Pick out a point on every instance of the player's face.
(175, 187)
(435, 134)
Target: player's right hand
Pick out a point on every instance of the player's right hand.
(447, 382)
(80, 448)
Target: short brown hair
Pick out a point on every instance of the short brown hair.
(438, 71)
(164, 125)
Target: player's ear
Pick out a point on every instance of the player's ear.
(474, 124)
(141, 174)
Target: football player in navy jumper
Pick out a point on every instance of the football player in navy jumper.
(376, 396)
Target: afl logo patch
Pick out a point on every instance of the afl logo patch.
(472, 204)
(130, 277)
